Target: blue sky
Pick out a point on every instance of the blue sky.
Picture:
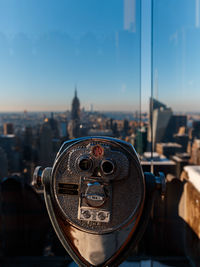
(48, 46)
(176, 42)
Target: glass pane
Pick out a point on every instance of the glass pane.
(68, 68)
(175, 112)
(51, 51)
(176, 37)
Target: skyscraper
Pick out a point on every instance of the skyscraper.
(75, 112)
(46, 149)
(175, 122)
(160, 116)
(3, 163)
(54, 126)
(74, 125)
(8, 128)
(141, 140)
(196, 129)
(9, 144)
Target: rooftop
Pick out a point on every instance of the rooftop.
(170, 144)
(147, 156)
(7, 135)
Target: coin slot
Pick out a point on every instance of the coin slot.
(67, 192)
(68, 186)
(67, 189)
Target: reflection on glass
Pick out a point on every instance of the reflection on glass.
(175, 114)
(67, 70)
(176, 40)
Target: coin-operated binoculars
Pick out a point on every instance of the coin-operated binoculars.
(98, 199)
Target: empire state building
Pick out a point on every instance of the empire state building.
(74, 125)
(75, 112)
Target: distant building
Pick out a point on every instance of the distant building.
(160, 163)
(54, 126)
(8, 143)
(141, 140)
(3, 163)
(168, 149)
(175, 123)
(131, 139)
(181, 159)
(195, 153)
(165, 124)
(115, 129)
(98, 132)
(8, 128)
(156, 157)
(75, 112)
(196, 129)
(63, 129)
(29, 154)
(45, 145)
(183, 140)
(27, 144)
(74, 124)
(160, 116)
(126, 127)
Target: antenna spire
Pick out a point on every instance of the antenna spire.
(75, 93)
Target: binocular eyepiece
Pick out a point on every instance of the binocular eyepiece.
(98, 198)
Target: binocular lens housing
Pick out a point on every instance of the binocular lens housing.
(85, 164)
(107, 167)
